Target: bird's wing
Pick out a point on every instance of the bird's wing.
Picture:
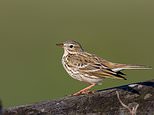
(92, 65)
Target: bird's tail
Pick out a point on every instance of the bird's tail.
(120, 67)
(136, 67)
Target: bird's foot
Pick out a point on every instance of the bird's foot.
(83, 92)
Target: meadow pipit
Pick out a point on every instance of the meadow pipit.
(90, 68)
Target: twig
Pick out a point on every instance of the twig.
(133, 110)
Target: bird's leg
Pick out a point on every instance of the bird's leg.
(85, 90)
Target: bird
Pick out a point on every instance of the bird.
(89, 68)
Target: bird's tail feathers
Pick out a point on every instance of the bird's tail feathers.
(136, 67)
(120, 67)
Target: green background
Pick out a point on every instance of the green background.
(30, 62)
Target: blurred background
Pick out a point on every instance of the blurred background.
(30, 62)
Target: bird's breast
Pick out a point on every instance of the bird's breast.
(78, 75)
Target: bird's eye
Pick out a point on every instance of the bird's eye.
(71, 46)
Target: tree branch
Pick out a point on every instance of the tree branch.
(104, 102)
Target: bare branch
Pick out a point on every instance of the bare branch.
(103, 102)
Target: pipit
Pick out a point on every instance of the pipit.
(90, 68)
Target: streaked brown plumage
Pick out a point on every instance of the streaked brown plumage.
(90, 68)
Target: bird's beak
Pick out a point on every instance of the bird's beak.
(60, 45)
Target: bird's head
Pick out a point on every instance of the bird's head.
(71, 46)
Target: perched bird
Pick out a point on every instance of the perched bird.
(90, 68)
